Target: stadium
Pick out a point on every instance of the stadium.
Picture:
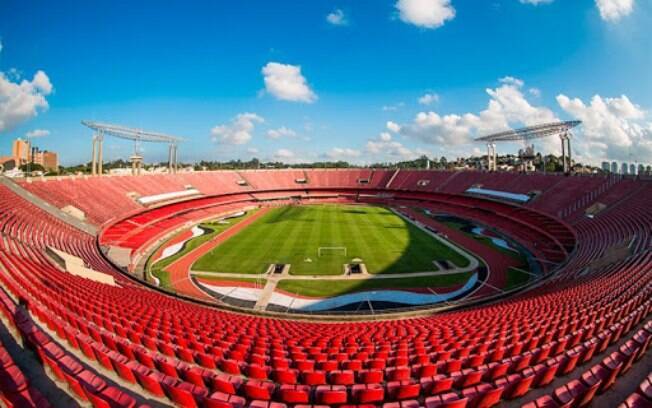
(175, 274)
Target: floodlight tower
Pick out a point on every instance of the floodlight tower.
(533, 132)
(136, 135)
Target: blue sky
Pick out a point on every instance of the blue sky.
(315, 80)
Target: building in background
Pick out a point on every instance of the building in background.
(614, 167)
(624, 168)
(21, 151)
(632, 169)
(605, 167)
(49, 160)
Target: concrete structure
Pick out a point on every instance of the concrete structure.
(135, 135)
(492, 159)
(136, 164)
(76, 266)
(561, 129)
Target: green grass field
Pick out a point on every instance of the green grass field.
(385, 242)
(158, 268)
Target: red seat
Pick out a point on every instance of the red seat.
(575, 393)
(545, 401)
(294, 394)
(331, 394)
(449, 400)
(636, 400)
(483, 396)
(345, 377)
(313, 378)
(606, 372)
(12, 380)
(400, 390)
(152, 382)
(402, 404)
(370, 376)
(515, 385)
(437, 384)
(367, 393)
(217, 399)
(225, 383)
(285, 376)
(258, 390)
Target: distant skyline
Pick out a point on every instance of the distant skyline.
(356, 80)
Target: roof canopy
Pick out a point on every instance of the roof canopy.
(131, 133)
(532, 132)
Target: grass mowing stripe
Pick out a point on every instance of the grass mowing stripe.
(385, 242)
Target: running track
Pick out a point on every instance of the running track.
(179, 270)
(497, 262)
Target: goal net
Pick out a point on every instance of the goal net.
(321, 251)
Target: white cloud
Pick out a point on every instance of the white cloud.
(536, 92)
(428, 98)
(385, 148)
(252, 150)
(337, 17)
(343, 153)
(507, 105)
(238, 131)
(425, 13)
(614, 10)
(287, 83)
(284, 154)
(42, 82)
(612, 128)
(393, 126)
(20, 101)
(393, 108)
(37, 133)
(281, 132)
(536, 2)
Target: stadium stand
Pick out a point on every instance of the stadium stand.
(565, 343)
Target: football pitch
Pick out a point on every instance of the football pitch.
(293, 235)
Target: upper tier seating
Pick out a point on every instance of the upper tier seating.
(107, 198)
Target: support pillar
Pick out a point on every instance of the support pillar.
(170, 165)
(563, 152)
(100, 158)
(566, 152)
(569, 154)
(176, 166)
(93, 157)
(491, 157)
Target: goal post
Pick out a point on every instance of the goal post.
(325, 250)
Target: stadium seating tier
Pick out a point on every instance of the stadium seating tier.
(574, 336)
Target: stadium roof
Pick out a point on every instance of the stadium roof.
(531, 132)
(131, 133)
